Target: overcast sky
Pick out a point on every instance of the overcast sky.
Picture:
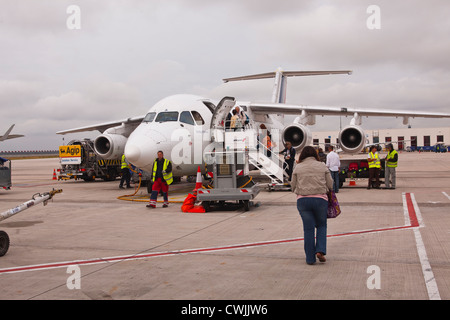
(127, 55)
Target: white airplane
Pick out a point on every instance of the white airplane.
(7, 134)
(181, 120)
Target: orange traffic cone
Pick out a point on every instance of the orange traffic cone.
(54, 175)
(199, 182)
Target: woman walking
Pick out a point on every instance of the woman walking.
(311, 181)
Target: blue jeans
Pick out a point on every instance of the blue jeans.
(314, 216)
(335, 176)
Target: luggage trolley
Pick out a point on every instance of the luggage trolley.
(5, 173)
(231, 181)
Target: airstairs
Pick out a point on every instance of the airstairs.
(271, 167)
(247, 139)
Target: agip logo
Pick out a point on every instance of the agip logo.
(69, 151)
(70, 154)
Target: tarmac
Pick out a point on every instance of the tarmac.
(88, 244)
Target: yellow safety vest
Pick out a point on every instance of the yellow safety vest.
(389, 163)
(376, 163)
(167, 176)
(124, 163)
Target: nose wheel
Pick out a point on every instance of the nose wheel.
(4, 243)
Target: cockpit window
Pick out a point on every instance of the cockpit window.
(149, 117)
(198, 118)
(167, 116)
(186, 117)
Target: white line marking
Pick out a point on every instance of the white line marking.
(445, 194)
(417, 210)
(430, 281)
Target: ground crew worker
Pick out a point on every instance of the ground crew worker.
(126, 175)
(374, 167)
(162, 178)
(391, 164)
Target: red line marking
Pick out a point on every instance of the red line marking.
(410, 206)
(188, 251)
(411, 211)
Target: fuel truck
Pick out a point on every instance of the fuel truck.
(79, 161)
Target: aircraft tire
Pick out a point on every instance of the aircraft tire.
(4, 243)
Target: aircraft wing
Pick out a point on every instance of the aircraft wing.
(7, 134)
(104, 126)
(280, 108)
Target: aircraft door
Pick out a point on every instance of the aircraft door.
(219, 116)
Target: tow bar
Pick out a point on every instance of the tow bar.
(36, 199)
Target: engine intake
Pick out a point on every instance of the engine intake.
(110, 146)
(352, 139)
(297, 134)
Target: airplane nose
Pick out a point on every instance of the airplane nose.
(140, 151)
(132, 153)
(142, 146)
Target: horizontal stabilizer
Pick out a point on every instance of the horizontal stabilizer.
(287, 74)
(279, 89)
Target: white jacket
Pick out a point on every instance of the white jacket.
(311, 177)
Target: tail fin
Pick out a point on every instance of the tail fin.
(7, 134)
(279, 89)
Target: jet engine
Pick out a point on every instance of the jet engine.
(352, 139)
(110, 146)
(297, 134)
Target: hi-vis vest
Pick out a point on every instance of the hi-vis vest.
(167, 176)
(124, 163)
(376, 163)
(389, 163)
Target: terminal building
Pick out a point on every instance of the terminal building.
(402, 139)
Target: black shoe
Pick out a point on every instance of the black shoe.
(120, 187)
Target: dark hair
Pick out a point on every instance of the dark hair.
(307, 152)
